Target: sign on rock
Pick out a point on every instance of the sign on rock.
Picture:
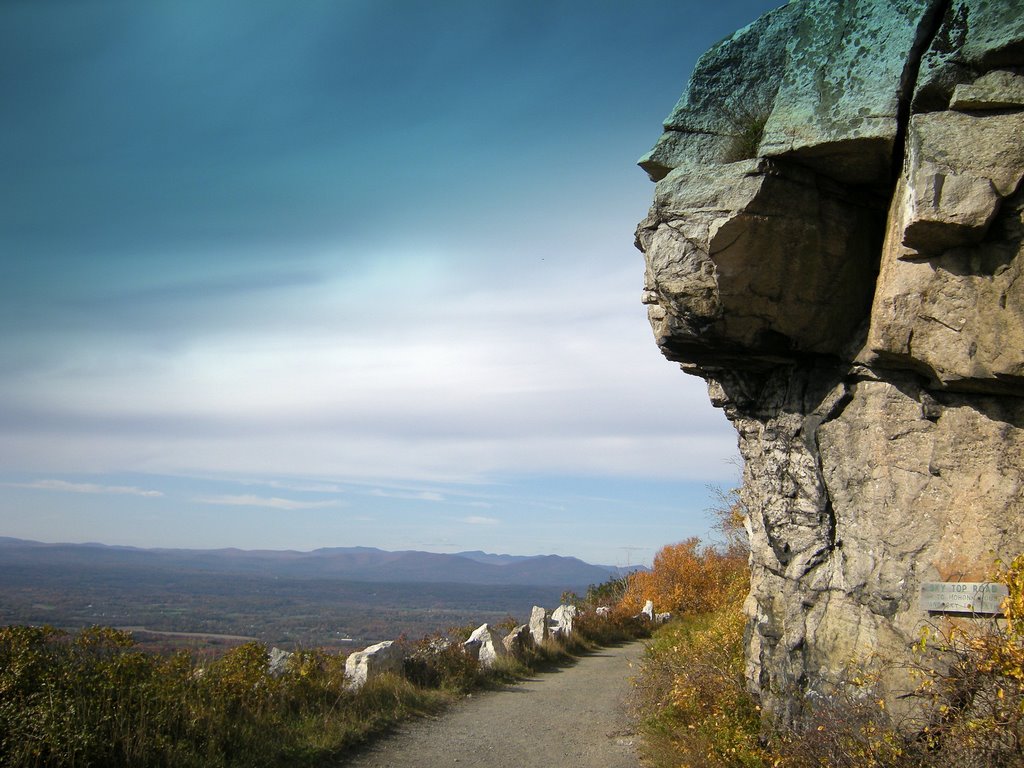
(963, 597)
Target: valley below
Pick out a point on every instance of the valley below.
(207, 601)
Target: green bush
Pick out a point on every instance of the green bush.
(93, 700)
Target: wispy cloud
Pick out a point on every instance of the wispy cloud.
(62, 485)
(478, 520)
(408, 495)
(302, 487)
(273, 502)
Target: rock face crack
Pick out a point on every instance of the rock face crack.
(929, 30)
(849, 288)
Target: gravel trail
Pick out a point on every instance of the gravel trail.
(575, 716)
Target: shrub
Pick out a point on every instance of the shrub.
(383, 701)
(608, 593)
(77, 700)
(695, 709)
(438, 662)
(688, 578)
(746, 123)
(94, 700)
(691, 693)
(618, 626)
(972, 683)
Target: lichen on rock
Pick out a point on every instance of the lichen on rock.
(849, 286)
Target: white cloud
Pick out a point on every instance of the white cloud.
(477, 520)
(273, 502)
(467, 377)
(407, 495)
(61, 485)
(381, 459)
(302, 487)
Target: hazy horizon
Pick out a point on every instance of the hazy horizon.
(295, 551)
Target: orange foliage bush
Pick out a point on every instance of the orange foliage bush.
(687, 578)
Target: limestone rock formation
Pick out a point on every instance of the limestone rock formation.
(648, 610)
(562, 619)
(835, 246)
(539, 624)
(519, 642)
(363, 666)
(486, 645)
(277, 661)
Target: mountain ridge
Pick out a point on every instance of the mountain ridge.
(364, 564)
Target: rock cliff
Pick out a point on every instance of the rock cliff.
(835, 247)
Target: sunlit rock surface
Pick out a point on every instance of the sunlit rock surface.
(486, 645)
(835, 246)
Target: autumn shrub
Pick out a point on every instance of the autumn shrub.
(688, 578)
(693, 577)
(691, 696)
(438, 662)
(850, 727)
(93, 699)
(617, 626)
(694, 708)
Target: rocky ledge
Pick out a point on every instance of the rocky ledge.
(835, 247)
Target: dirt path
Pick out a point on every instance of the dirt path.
(575, 716)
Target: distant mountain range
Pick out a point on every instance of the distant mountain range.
(365, 564)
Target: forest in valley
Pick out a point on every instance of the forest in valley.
(286, 612)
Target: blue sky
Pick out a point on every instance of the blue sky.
(291, 275)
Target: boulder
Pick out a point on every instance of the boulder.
(539, 625)
(362, 666)
(278, 662)
(710, 123)
(837, 107)
(722, 274)
(519, 642)
(485, 645)
(563, 617)
(648, 610)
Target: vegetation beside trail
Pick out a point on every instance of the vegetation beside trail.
(94, 699)
(691, 698)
